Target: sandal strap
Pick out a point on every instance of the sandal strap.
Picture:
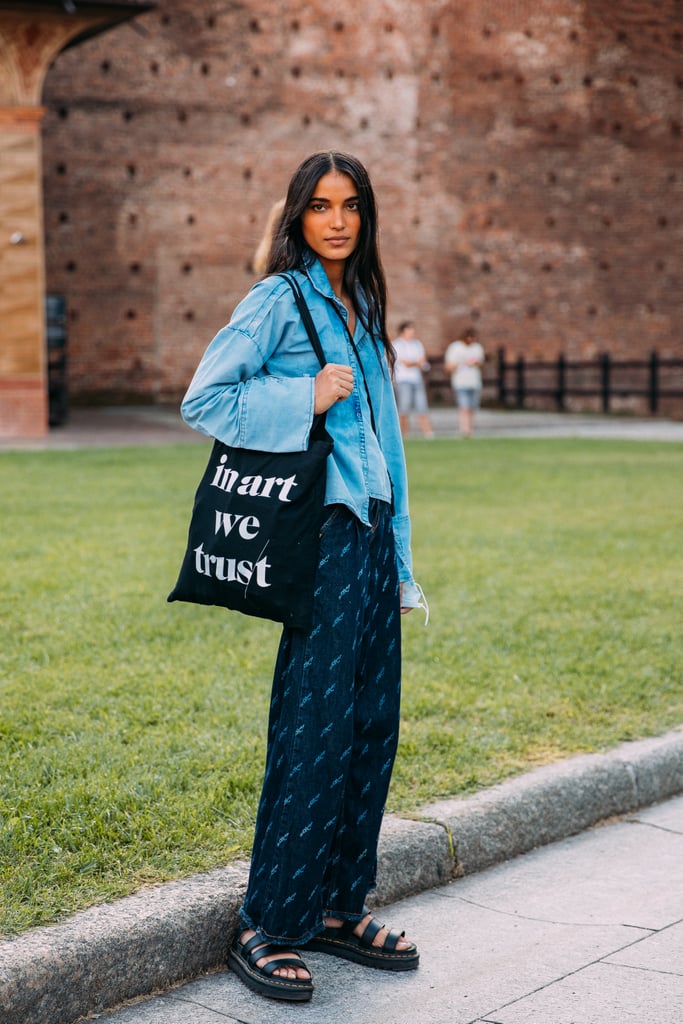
(373, 928)
(255, 949)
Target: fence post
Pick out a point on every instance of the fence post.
(653, 389)
(520, 382)
(605, 380)
(561, 381)
(502, 391)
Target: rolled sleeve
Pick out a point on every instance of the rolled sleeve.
(235, 397)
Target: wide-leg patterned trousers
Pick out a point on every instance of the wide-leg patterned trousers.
(332, 738)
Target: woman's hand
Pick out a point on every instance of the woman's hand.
(333, 384)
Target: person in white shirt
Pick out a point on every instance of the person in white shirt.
(464, 360)
(411, 395)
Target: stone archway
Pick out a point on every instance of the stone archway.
(31, 36)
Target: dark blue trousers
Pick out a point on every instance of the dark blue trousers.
(332, 739)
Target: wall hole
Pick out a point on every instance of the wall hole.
(555, 78)
(256, 71)
(63, 217)
(191, 219)
(105, 67)
(435, 29)
(592, 311)
(189, 314)
(550, 222)
(436, 76)
(676, 129)
(134, 268)
(587, 81)
(127, 115)
(187, 268)
(131, 170)
(604, 265)
(532, 312)
(254, 25)
(339, 72)
(363, 123)
(547, 268)
(182, 116)
(388, 73)
(187, 172)
(130, 314)
(552, 178)
(662, 222)
(338, 26)
(71, 267)
(305, 120)
(154, 67)
(211, 21)
(205, 68)
(486, 267)
(296, 72)
(389, 27)
(63, 113)
(246, 173)
(61, 168)
(132, 218)
(245, 118)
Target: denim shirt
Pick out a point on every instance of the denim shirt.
(255, 388)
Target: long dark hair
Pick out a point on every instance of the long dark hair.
(363, 273)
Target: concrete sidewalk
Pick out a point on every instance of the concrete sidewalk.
(152, 425)
(479, 952)
(584, 931)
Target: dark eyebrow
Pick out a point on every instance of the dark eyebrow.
(323, 199)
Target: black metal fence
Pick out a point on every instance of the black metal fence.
(653, 384)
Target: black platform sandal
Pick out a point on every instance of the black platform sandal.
(242, 958)
(342, 942)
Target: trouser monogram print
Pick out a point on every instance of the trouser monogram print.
(332, 738)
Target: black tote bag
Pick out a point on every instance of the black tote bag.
(254, 534)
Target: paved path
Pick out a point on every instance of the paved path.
(588, 930)
(149, 425)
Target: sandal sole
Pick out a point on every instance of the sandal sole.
(383, 961)
(273, 987)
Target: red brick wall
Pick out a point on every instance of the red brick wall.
(527, 157)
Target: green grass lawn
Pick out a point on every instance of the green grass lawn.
(132, 732)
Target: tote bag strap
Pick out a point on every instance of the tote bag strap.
(306, 317)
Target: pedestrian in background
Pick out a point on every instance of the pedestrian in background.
(464, 360)
(409, 368)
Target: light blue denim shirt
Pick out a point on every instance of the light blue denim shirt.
(255, 388)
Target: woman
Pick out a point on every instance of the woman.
(334, 713)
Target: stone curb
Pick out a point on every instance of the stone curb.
(162, 935)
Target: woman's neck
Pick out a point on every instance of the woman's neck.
(335, 275)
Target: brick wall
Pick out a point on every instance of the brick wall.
(527, 157)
